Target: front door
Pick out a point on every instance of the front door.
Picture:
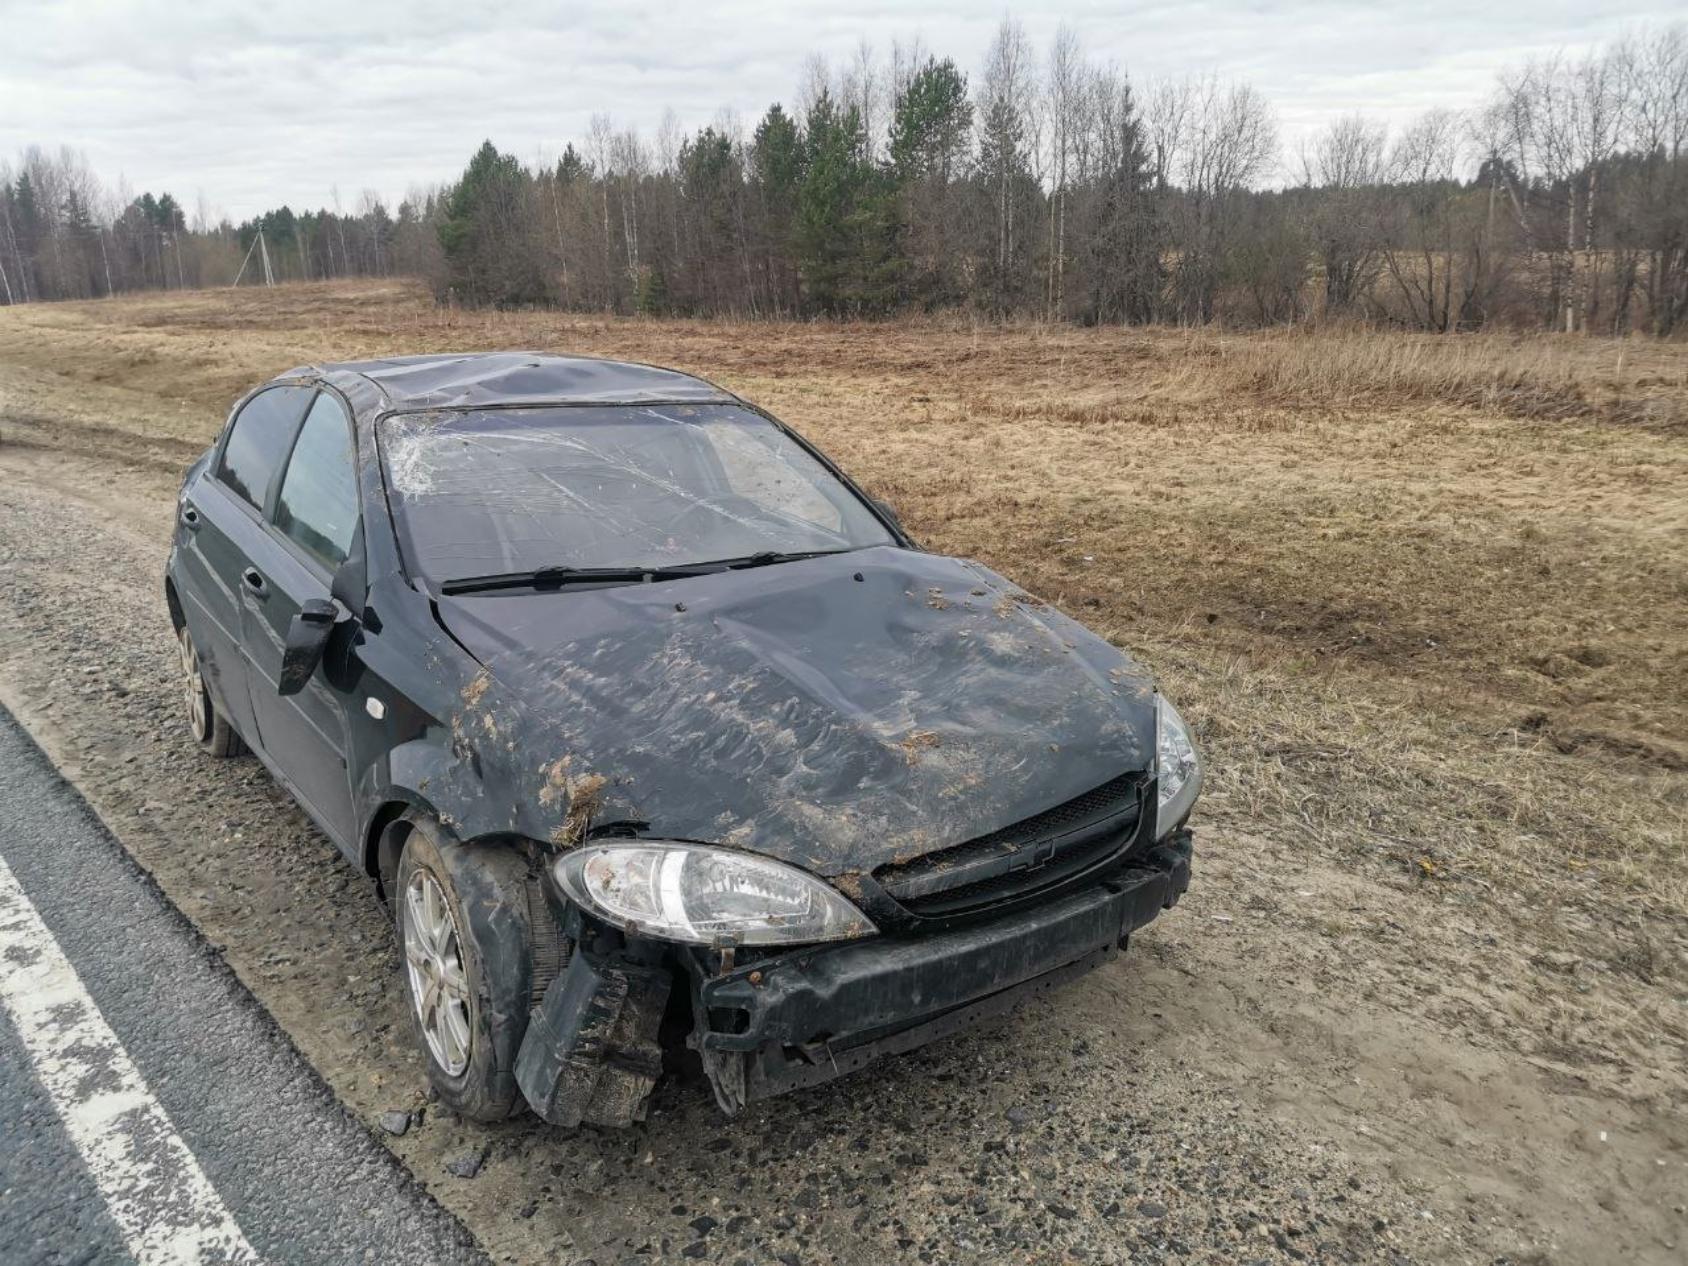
(222, 518)
(312, 527)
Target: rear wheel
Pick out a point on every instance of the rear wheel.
(205, 723)
(467, 965)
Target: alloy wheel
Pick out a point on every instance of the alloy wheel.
(193, 687)
(439, 985)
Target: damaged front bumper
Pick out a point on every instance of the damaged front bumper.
(804, 1017)
(817, 1014)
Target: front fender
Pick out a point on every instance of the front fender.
(426, 775)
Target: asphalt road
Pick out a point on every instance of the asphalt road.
(150, 1110)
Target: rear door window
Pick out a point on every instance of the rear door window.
(318, 506)
(259, 439)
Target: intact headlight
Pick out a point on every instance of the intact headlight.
(706, 896)
(1178, 768)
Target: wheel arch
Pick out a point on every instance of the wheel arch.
(383, 841)
(394, 820)
(173, 601)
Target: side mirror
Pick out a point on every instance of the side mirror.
(350, 587)
(307, 635)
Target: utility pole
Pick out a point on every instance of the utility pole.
(17, 256)
(241, 272)
(105, 259)
(263, 249)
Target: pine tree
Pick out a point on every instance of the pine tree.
(833, 177)
(26, 231)
(571, 166)
(83, 275)
(1005, 171)
(931, 126)
(710, 181)
(1125, 273)
(776, 167)
(847, 223)
(169, 212)
(486, 235)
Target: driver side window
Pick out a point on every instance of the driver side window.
(318, 506)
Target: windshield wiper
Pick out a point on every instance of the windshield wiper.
(768, 557)
(558, 577)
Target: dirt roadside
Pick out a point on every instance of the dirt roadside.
(1281, 1069)
(1426, 999)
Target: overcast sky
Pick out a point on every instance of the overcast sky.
(250, 105)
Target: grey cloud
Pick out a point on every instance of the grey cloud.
(259, 106)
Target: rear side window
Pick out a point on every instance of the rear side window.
(318, 507)
(259, 440)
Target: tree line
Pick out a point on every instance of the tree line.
(64, 235)
(1040, 185)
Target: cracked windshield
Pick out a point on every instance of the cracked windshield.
(513, 490)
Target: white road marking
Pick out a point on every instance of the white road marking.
(160, 1199)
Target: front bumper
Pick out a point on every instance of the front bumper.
(818, 1013)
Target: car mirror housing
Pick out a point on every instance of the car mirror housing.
(350, 586)
(307, 635)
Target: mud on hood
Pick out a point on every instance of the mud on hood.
(838, 713)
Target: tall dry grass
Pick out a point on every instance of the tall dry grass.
(1536, 377)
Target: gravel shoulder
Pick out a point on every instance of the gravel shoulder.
(1283, 1068)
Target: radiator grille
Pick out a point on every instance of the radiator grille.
(1022, 859)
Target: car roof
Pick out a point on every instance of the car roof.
(474, 380)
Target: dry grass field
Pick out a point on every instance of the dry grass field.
(1424, 600)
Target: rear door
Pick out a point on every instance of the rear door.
(222, 521)
(313, 525)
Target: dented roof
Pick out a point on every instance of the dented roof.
(475, 380)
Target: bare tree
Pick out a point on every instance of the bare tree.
(1218, 138)
(1418, 255)
(813, 81)
(1064, 101)
(1344, 167)
(1653, 67)
(601, 145)
(863, 85)
(1564, 119)
(906, 61)
(629, 164)
(1007, 93)
(1168, 119)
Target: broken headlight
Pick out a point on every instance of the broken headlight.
(706, 896)
(1178, 770)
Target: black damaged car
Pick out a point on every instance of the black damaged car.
(657, 735)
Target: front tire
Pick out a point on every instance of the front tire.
(467, 963)
(207, 725)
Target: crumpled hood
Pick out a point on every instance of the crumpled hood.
(838, 713)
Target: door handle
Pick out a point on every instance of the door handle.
(190, 517)
(255, 582)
